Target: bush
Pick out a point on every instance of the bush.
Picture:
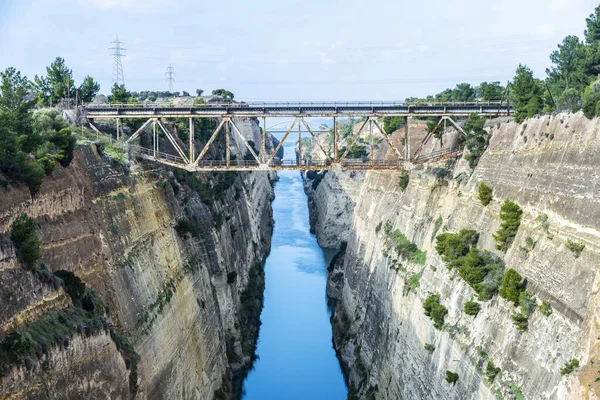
(185, 226)
(491, 371)
(65, 143)
(451, 377)
(23, 233)
(403, 180)
(510, 214)
(545, 308)
(569, 366)
(576, 248)
(471, 308)
(429, 347)
(520, 321)
(435, 310)
(511, 286)
(33, 173)
(482, 270)
(47, 164)
(452, 247)
(413, 282)
(485, 194)
(404, 247)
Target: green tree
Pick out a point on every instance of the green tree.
(226, 94)
(477, 139)
(60, 80)
(88, 89)
(592, 32)
(120, 94)
(23, 233)
(591, 100)
(463, 92)
(490, 91)
(392, 124)
(567, 66)
(527, 94)
(15, 107)
(485, 194)
(511, 286)
(510, 214)
(43, 90)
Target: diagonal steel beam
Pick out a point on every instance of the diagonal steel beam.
(426, 139)
(139, 131)
(354, 140)
(235, 128)
(173, 142)
(316, 140)
(209, 143)
(98, 131)
(388, 140)
(281, 143)
(458, 128)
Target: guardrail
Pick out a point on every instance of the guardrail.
(334, 104)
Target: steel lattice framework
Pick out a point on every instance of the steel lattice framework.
(371, 112)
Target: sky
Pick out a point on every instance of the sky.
(291, 50)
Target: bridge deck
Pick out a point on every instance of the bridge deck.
(374, 109)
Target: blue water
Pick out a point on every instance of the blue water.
(296, 355)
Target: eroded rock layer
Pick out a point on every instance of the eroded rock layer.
(550, 167)
(176, 258)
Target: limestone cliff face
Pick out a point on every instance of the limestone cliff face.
(548, 165)
(176, 296)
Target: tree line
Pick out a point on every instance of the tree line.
(571, 83)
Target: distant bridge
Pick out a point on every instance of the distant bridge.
(185, 156)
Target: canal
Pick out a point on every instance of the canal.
(295, 350)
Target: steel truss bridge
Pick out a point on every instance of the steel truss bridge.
(186, 156)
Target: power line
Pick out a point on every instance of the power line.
(170, 74)
(118, 77)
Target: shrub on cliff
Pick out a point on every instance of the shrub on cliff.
(185, 226)
(482, 270)
(453, 246)
(471, 308)
(403, 180)
(404, 247)
(510, 214)
(511, 286)
(576, 248)
(569, 366)
(451, 377)
(485, 194)
(491, 371)
(435, 310)
(23, 233)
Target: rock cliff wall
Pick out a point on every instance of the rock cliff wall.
(185, 298)
(549, 166)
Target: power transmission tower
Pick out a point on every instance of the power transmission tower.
(118, 76)
(170, 74)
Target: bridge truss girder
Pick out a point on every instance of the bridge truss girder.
(186, 158)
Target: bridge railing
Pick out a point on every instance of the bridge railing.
(438, 154)
(335, 104)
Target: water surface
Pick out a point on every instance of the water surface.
(297, 359)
